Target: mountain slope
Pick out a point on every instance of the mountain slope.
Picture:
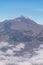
(20, 23)
(21, 29)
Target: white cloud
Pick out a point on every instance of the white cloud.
(38, 59)
(9, 51)
(21, 60)
(2, 63)
(24, 63)
(19, 47)
(2, 44)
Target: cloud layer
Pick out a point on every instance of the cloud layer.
(8, 55)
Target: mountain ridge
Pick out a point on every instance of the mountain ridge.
(20, 21)
(20, 29)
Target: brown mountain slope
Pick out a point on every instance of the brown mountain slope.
(20, 29)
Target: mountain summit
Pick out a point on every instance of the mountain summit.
(20, 29)
(20, 23)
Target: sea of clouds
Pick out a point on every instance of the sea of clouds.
(8, 51)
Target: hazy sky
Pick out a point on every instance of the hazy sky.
(33, 9)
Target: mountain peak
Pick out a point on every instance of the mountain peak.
(20, 24)
(24, 17)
